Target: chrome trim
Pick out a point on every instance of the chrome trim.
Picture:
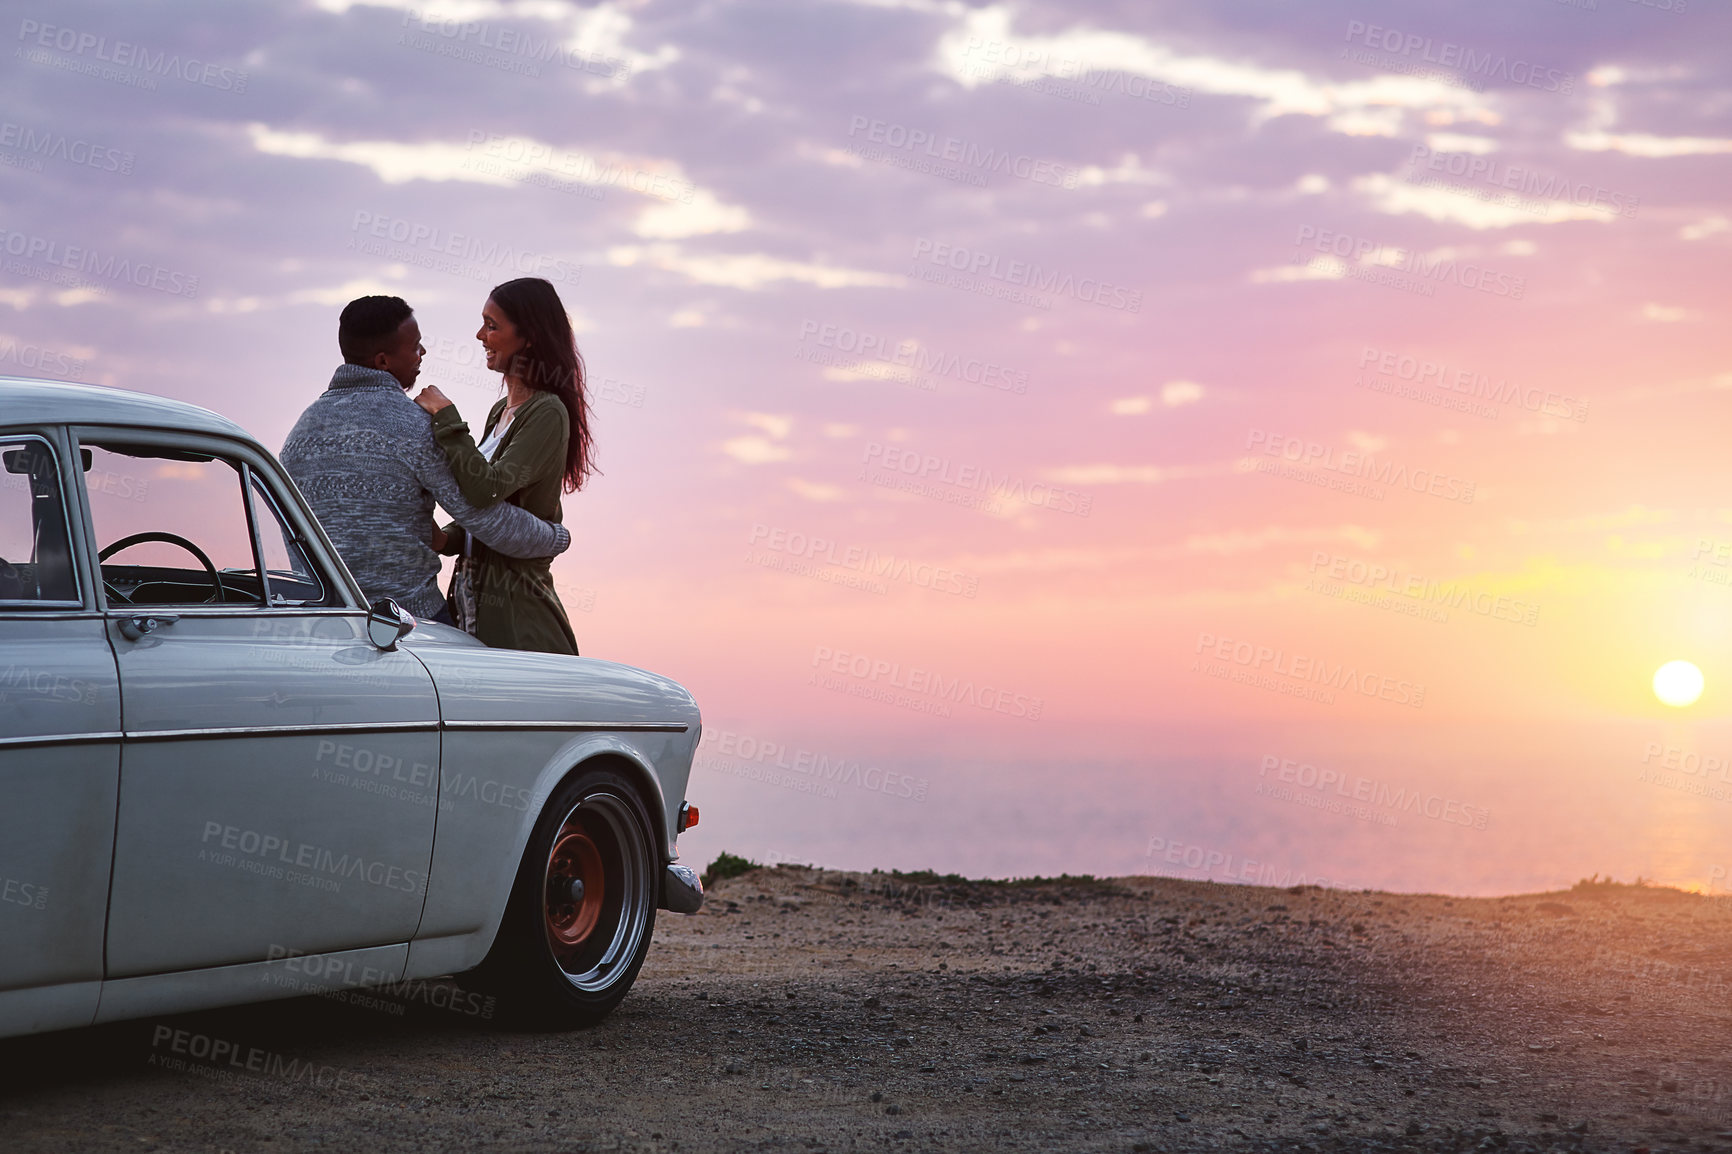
(273, 730)
(58, 739)
(387, 727)
(573, 726)
(200, 609)
(12, 613)
(682, 890)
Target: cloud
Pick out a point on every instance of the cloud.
(1131, 474)
(1704, 229)
(700, 215)
(1460, 142)
(813, 490)
(1242, 541)
(392, 161)
(1644, 145)
(597, 31)
(778, 425)
(1130, 406)
(1321, 268)
(753, 449)
(748, 271)
(1177, 393)
(1465, 204)
(1666, 314)
(984, 48)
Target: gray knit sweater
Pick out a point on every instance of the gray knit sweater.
(365, 457)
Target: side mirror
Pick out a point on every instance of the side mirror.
(387, 624)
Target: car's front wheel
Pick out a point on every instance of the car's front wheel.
(583, 909)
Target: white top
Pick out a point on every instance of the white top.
(490, 445)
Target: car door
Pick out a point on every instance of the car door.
(278, 781)
(59, 747)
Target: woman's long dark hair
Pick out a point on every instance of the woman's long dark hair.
(549, 362)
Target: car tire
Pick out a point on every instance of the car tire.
(583, 910)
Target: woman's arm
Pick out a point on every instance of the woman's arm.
(536, 448)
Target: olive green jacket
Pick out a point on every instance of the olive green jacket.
(516, 604)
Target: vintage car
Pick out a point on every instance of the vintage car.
(224, 777)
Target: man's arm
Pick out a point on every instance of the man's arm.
(503, 528)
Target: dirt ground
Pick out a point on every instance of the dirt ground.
(810, 1011)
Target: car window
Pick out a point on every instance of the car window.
(171, 527)
(35, 557)
(293, 579)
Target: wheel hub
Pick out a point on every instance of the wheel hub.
(575, 887)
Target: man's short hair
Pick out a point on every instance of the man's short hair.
(368, 326)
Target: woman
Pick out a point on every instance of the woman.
(536, 442)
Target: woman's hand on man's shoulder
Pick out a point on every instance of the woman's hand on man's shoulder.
(431, 399)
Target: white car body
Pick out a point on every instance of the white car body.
(222, 803)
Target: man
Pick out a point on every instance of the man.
(365, 457)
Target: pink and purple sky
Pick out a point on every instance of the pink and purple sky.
(1257, 441)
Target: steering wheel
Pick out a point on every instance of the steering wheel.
(167, 539)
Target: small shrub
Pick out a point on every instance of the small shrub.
(728, 865)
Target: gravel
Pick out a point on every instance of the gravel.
(809, 1010)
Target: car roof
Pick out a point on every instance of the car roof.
(27, 401)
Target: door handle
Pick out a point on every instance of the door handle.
(133, 628)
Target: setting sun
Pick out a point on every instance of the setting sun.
(1678, 683)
